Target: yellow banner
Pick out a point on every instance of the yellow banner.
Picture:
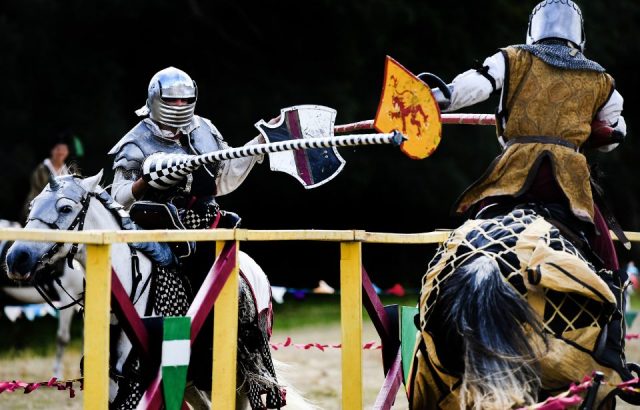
(408, 106)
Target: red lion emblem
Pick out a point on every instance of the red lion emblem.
(406, 105)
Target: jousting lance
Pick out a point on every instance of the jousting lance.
(303, 143)
(455, 119)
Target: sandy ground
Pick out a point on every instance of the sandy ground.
(314, 373)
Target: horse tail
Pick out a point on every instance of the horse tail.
(495, 324)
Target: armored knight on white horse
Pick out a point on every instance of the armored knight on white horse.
(190, 203)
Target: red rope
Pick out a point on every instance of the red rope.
(572, 396)
(322, 347)
(367, 346)
(11, 386)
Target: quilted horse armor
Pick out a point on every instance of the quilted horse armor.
(578, 308)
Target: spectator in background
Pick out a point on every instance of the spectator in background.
(55, 166)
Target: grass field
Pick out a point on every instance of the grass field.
(27, 350)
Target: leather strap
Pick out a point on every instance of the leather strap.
(539, 139)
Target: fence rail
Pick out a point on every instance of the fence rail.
(98, 301)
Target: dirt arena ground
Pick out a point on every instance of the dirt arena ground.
(314, 373)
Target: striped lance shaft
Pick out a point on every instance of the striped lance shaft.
(163, 170)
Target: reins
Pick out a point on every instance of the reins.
(78, 222)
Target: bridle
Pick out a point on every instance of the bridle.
(78, 222)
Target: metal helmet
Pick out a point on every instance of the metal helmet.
(170, 83)
(556, 19)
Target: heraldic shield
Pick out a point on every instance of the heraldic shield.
(312, 167)
(408, 105)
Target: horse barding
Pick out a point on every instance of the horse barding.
(512, 312)
(157, 287)
(60, 286)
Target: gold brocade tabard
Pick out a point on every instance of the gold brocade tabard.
(540, 100)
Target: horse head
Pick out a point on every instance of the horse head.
(62, 205)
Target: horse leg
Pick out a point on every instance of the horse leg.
(65, 317)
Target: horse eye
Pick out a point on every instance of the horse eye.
(66, 209)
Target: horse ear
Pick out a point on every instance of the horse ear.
(91, 183)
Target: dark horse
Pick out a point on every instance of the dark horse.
(512, 312)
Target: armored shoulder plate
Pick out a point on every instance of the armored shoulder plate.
(129, 157)
(206, 137)
(136, 133)
(128, 154)
(138, 144)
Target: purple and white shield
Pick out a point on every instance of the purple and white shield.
(312, 167)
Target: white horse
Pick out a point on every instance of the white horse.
(69, 289)
(74, 204)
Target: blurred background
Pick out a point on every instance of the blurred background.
(79, 68)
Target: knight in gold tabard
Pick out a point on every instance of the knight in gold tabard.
(550, 95)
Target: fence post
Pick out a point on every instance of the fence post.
(96, 327)
(351, 323)
(225, 340)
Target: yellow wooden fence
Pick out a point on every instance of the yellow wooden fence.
(98, 298)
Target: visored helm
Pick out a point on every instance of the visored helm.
(556, 19)
(167, 85)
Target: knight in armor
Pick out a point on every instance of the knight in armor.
(550, 94)
(170, 126)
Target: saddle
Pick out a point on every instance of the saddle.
(154, 215)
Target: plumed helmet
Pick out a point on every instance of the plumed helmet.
(556, 19)
(166, 85)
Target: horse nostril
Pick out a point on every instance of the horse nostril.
(18, 262)
(22, 258)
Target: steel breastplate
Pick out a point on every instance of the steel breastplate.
(201, 140)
